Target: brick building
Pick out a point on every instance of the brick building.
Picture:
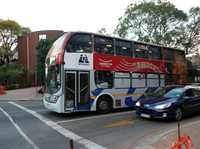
(27, 49)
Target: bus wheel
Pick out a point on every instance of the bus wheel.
(104, 105)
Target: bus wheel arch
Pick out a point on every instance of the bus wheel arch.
(104, 104)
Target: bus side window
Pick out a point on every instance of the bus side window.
(104, 79)
(141, 50)
(80, 43)
(103, 45)
(155, 53)
(123, 48)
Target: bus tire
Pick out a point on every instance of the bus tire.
(104, 104)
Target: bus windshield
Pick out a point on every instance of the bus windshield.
(53, 79)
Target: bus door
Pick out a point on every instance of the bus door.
(77, 90)
(83, 90)
(70, 90)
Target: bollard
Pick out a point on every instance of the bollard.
(2, 90)
(71, 144)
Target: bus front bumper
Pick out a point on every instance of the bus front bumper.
(56, 107)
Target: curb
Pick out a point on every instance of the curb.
(20, 99)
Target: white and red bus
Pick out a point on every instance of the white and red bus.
(92, 72)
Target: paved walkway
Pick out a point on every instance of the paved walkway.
(165, 139)
(192, 130)
(22, 94)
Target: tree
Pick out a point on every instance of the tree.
(42, 49)
(9, 31)
(192, 31)
(10, 73)
(25, 31)
(103, 31)
(157, 22)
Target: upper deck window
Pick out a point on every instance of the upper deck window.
(155, 53)
(123, 48)
(169, 54)
(80, 43)
(103, 45)
(141, 50)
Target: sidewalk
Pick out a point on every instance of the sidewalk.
(22, 94)
(165, 139)
(192, 130)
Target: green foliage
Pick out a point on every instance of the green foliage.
(192, 30)
(152, 21)
(42, 50)
(25, 31)
(9, 32)
(103, 31)
(10, 73)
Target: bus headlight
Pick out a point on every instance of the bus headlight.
(54, 99)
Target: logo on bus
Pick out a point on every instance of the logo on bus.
(83, 60)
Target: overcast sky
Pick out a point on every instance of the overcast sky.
(72, 15)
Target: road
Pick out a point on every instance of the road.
(28, 125)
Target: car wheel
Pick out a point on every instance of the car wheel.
(178, 114)
(104, 105)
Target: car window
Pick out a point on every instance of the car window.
(196, 92)
(174, 93)
(189, 93)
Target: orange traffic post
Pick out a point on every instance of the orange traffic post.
(2, 90)
(184, 142)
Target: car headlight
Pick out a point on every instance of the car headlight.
(162, 106)
(138, 104)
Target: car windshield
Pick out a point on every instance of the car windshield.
(174, 93)
(157, 93)
(53, 79)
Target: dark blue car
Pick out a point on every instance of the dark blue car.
(174, 104)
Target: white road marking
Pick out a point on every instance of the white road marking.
(19, 130)
(94, 117)
(65, 132)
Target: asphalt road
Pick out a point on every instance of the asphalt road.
(28, 125)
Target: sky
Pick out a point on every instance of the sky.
(72, 15)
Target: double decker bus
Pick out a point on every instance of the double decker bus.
(92, 72)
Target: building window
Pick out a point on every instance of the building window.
(42, 36)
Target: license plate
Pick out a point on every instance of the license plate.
(145, 115)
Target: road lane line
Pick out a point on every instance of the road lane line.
(94, 117)
(19, 130)
(122, 122)
(65, 132)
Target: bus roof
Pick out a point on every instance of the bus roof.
(141, 42)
